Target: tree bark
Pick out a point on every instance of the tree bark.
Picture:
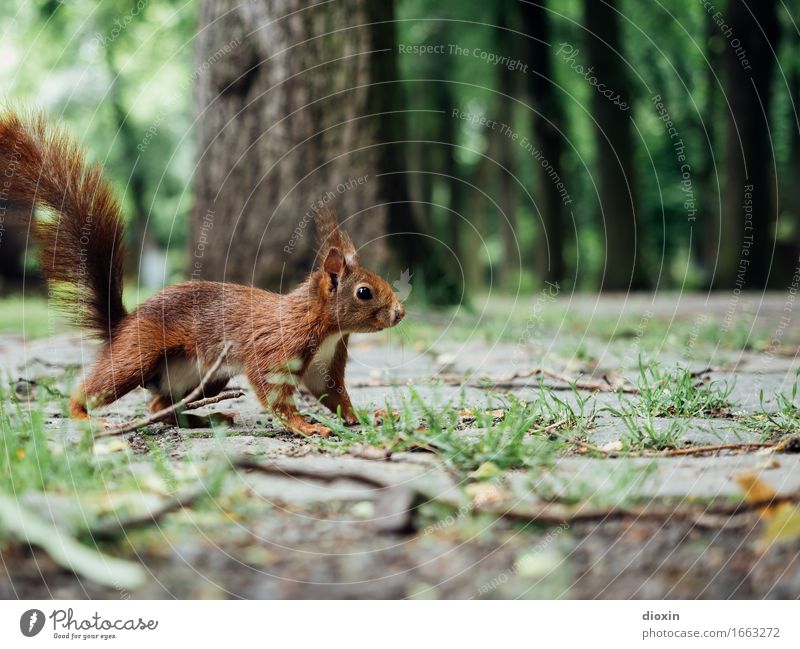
(463, 200)
(503, 153)
(451, 169)
(790, 187)
(283, 95)
(614, 148)
(548, 124)
(709, 205)
(748, 232)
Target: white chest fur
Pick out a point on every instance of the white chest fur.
(318, 378)
(181, 375)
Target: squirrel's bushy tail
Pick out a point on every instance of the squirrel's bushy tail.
(78, 226)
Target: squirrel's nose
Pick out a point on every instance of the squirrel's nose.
(399, 313)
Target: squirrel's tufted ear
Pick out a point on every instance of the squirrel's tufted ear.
(333, 265)
(330, 236)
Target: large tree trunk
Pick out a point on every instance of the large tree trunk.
(706, 228)
(283, 95)
(748, 232)
(790, 188)
(457, 188)
(463, 202)
(614, 144)
(548, 125)
(504, 152)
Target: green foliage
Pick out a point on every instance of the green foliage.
(649, 433)
(30, 316)
(121, 79)
(519, 434)
(679, 393)
(657, 417)
(37, 472)
(783, 420)
(28, 460)
(21, 524)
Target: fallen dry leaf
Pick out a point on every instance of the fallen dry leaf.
(485, 493)
(113, 446)
(766, 465)
(485, 471)
(784, 524)
(756, 490)
(368, 452)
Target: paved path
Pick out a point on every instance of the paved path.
(310, 535)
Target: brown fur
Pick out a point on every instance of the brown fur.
(172, 339)
(80, 255)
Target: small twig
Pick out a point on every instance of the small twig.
(61, 366)
(712, 448)
(222, 396)
(509, 381)
(589, 447)
(784, 443)
(603, 385)
(557, 514)
(548, 428)
(291, 472)
(572, 382)
(374, 383)
(112, 528)
(510, 378)
(166, 412)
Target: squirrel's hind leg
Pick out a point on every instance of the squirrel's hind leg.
(211, 389)
(123, 366)
(77, 410)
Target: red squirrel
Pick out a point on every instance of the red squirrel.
(169, 342)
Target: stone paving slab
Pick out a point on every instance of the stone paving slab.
(695, 431)
(681, 477)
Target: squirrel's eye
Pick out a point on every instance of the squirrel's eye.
(363, 293)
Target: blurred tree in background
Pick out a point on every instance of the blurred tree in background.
(617, 182)
(117, 74)
(748, 238)
(548, 124)
(600, 144)
(284, 121)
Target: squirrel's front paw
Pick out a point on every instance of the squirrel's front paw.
(349, 419)
(99, 423)
(308, 429)
(381, 415)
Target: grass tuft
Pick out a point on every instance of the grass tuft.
(680, 394)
